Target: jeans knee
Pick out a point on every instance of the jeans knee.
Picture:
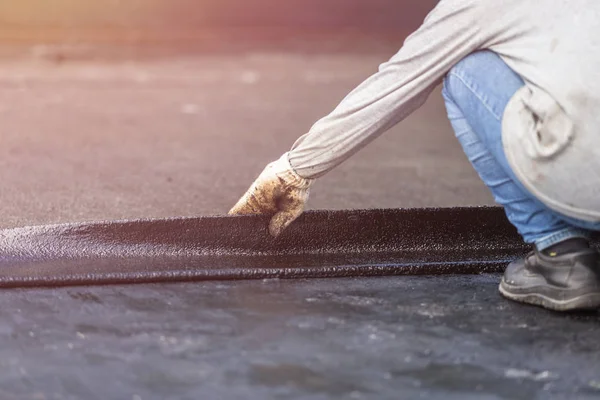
(447, 89)
(471, 70)
(475, 63)
(453, 92)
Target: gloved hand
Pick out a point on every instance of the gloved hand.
(278, 190)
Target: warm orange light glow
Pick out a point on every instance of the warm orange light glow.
(33, 22)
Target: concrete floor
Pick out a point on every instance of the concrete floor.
(186, 136)
(374, 338)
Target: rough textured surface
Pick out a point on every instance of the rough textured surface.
(449, 337)
(318, 244)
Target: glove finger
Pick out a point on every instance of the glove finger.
(291, 208)
(282, 220)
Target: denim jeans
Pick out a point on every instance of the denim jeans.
(476, 91)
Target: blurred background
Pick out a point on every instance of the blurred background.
(207, 25)
(122, 109)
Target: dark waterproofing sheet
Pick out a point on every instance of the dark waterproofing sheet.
(319, 244)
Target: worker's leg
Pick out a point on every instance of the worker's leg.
(476, 92)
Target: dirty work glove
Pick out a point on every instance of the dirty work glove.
(278, 190)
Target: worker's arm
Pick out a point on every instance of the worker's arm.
(449, 33)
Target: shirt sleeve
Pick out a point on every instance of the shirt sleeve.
(450, 31)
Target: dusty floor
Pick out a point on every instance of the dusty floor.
(374, 338)
(186, 136)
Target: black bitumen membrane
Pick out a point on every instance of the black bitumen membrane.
(319, 244)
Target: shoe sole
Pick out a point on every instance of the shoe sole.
(586, 301)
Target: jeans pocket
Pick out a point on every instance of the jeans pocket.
(549, 128)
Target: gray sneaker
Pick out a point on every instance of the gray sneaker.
(565, 282)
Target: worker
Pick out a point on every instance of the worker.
(521, 84)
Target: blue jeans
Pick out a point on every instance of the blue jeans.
(476, 92)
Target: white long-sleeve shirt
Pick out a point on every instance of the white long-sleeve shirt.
(551, 127)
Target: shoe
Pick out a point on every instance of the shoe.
(566, 282)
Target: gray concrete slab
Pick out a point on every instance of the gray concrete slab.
(185, 137)
(378, 338)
